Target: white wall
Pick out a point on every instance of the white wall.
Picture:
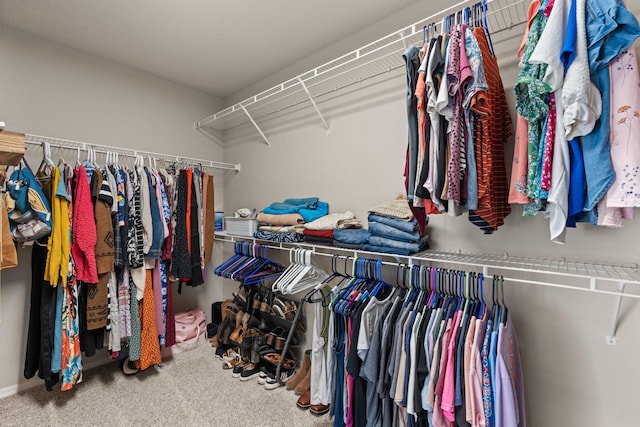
(572, 377)
(55, 91)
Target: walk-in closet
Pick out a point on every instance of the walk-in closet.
(407, 213)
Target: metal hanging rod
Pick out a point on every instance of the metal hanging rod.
(592, 274)
(359, 66)
(127, 152)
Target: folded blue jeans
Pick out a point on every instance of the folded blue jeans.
(385, 249)
(384, 230)
(358, 236)
(382, 241)
(406, 226)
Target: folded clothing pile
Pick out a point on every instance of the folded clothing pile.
(321, 231)
(283, 221)
(394, 236)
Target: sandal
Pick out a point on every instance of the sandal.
(230, 359)
(240, 297)
(275, 358)
(241, 327)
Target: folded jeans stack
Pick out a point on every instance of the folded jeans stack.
(351, 238)
(391, 235)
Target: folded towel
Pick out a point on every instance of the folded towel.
(286, 219)
(308, 214)
(356, 236)
(306, 202)
(329, 222)
(383, 230)
(319, 233)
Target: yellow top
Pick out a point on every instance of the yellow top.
(59, 244)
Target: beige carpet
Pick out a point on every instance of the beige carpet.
(191, 389)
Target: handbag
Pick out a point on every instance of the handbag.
(8, 256)
(191, 328)
(12, 147)
(8, 253)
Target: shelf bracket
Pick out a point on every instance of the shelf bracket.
(304, 86)
(256, 125)
(611, 336)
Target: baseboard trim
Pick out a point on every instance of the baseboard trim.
(35, 382)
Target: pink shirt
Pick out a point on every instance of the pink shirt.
(449, 391)
(468, 343)
(476, 416)
(625, 131)
(438, 417)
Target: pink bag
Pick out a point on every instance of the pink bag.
(191, 328)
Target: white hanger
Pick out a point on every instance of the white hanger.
(300, 275)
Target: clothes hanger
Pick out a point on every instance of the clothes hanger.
(46, 165)
(485, 8)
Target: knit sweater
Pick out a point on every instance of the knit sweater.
(84, 230)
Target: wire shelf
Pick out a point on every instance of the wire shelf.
(493, 262)
(366, 65)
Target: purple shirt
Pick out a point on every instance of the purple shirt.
(509, 402)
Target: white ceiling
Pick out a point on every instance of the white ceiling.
(217, 46)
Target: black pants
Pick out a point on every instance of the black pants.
(42, 316)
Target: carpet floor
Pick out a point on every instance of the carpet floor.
(190, 389)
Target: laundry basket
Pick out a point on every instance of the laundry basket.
(241, 226)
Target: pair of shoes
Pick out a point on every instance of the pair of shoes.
(304, 401)
(230, 359)
(242, 324)
(271, 383)
(302, 377)
(275, 359)
(318, 409)
(250, 370)
(284, 309)
(240, 297)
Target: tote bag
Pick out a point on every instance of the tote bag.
(191, 328)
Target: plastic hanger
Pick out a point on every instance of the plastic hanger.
(46, 165)
(485, 8)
